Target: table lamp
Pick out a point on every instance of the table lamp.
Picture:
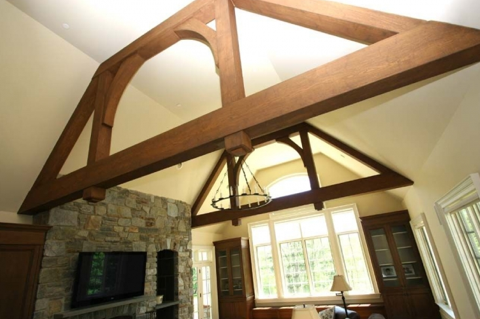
(304, 312)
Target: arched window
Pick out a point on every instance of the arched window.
(288, 185)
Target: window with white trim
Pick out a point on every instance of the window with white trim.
(459, 211)
(433, 268)
(296, 253)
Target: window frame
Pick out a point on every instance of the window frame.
(302, 212)
(462, 195)
(433, 264)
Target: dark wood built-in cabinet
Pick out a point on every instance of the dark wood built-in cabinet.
(167, 284)
(21, 250)
(234, 279)
(398, 267)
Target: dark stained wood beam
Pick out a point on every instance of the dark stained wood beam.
(69, 136)
(354, 23)
(101, 137)
(209, 183)
(272, 137)
(230, 70)
(230, 67)
(101, 134)
(288, 141)
(232, 179)
(122, 78)
(361, 186)
(309, 164)
(428, 50)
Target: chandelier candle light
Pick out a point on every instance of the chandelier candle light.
(247, 199)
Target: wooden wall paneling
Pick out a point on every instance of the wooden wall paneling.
(14, 293)
(354, 23)
(21, 250)
(430, 49)
(69, 136)
(361, 186)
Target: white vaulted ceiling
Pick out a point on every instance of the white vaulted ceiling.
(399, 128)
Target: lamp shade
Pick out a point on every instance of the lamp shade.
(340, 284)
(304, 312)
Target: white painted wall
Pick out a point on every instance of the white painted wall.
(14, 218)
(456, 155)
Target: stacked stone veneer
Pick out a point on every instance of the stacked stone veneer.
(125, 221)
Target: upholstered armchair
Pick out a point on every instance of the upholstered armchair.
(340, 313)
(337, 313)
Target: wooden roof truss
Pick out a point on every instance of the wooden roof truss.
(401, 51)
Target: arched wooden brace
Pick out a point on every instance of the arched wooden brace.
(111, 94)
(196, 30)
(101, 136)
(306, 155)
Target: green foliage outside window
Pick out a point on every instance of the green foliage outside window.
(267, 273)
(321, 264)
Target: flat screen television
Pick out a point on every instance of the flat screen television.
(108, 276)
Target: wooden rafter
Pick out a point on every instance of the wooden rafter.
(405, 51)
(346, 21)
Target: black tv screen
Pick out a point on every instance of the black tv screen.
(108, 276)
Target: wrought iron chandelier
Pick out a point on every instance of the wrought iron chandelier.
(241, 199)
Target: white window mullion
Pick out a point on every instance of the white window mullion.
(307, 267)
(462, 242)
(468, 250)
(334, 246)
(276, 261)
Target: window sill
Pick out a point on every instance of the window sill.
(326, 300)
(446, 311)
(363, 310)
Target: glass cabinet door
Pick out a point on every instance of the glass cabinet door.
(237, 280)
(406, 251)
(384, 257)
(223, 273)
